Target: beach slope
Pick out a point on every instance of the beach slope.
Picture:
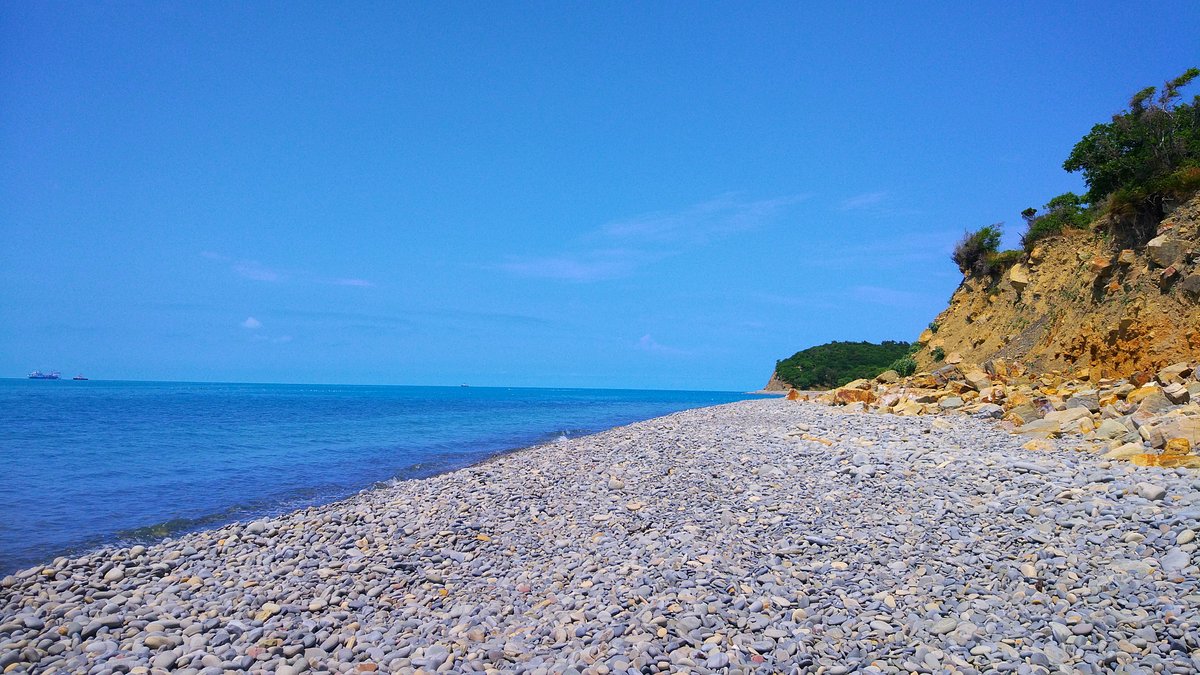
(764, 535)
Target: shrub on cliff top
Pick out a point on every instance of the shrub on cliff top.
(1067, 210)
(973, 252)
(1005, 259)
(1147, 156)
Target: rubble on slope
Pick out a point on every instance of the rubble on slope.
(1151, 419)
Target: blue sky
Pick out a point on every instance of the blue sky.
(650, 195)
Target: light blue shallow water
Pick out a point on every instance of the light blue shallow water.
(91, 463)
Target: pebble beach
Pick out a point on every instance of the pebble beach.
(760, 536)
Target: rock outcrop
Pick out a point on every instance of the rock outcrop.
(1078, 301)
(1152, 419)
(776, 384)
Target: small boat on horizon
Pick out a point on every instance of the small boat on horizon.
(79, 378)
(39, 375)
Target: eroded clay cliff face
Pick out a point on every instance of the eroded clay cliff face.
(1078, 302)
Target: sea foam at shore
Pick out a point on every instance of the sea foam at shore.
(759, 536)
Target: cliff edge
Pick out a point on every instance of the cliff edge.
(1078, 303)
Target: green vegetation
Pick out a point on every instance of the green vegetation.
(836, 363)
(1135, 167)
(978, 254)
(1066, 211)
(933, 327)
(1006, 259)
(973, 251)
(1146, 157)
(904, 365)
(938, 353)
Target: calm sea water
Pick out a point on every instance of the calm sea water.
(92, 463)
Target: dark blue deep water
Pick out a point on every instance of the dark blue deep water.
(92, 463)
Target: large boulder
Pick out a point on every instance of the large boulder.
(847, 395)
(978, 379)
(1176, 372)
(1018, 276)
(1191, 285)
(1165, 250)
(1179, 427)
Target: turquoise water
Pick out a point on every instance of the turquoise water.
(92, 463)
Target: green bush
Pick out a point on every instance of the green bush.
(836, 363)
(1004, 260)
(938, 353)
(973, 252)
(1147, 155)
(905, 366)
(933, 327)
(1067, 210)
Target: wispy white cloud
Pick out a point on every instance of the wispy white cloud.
(619, 248)
(863, 201)
(251, 323)
(647, 343)
(595, 265)
(878, 204)
(698, 224)
(249, 269)
(256, 271)
(880, 295)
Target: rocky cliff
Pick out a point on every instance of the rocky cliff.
(1080, 304)
(776, 384)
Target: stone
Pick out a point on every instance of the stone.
(848, 394)
(1099, 265)
(1110, 429)
(1176, 372)
(1126, 257)
(1155, 404)
(1043, 428)
(954, 358)
(268, 610)
(888, 377)
(1187, 428)
(1067, 415)
(989, 411)
(1176, 559)
(1143, 392)
(1165, 250)
(943, 626)
(951, 403)
(1151, 491)
(1191, 285)
(978, 379)
(1177, 393)
(1018, 277)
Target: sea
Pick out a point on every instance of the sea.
(92, 463)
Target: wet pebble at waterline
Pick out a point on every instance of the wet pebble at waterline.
(760, 536)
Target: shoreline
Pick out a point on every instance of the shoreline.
(757, 535)
(287, 463)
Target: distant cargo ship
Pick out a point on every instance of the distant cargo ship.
(39, 375)
(79, 378)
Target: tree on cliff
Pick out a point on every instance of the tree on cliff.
(1146, 155)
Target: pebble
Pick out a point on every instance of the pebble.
(718, 539)
(1151, 491)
